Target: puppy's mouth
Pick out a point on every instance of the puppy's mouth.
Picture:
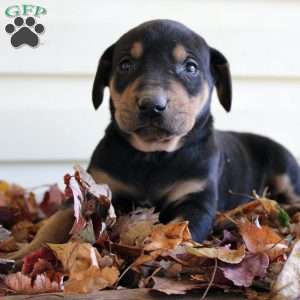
(152, 133)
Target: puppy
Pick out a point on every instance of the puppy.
(161, 149)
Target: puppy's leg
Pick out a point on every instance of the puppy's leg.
(197, 208)
(55, 230)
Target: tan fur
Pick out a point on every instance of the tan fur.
(136, 50)
(181, 113)
(115, 185)
(125, 105)
(282, 185)
(178, 191)
(179, 53)
(188, 107)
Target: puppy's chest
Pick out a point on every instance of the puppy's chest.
(155, 189)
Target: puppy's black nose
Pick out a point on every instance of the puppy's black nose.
(152, 104)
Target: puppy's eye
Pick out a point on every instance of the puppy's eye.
(191, 67)
(126, 65)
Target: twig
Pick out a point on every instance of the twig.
(211, 280)
(124, 272)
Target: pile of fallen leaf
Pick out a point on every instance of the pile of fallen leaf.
(254, 250)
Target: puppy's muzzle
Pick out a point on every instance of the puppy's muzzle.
(151, 106)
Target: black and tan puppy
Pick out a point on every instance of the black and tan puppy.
(161, 148)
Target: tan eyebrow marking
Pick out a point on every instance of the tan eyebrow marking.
(179, 53)
(136, 50)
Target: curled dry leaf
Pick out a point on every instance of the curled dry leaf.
(262, 239)
(92, 279)
(42, 257)
(52, 200)
(8, 245)
(167, 236)
(91, 201)
(243, 274)
(133, 229)
(174, 287)
(225, 254)
(287, 285)
(82, 263)
(74, 256)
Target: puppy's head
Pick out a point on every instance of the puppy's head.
(161, 75)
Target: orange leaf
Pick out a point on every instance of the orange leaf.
(262, 239)
(231, 256)
(167, 236)
(91, 280)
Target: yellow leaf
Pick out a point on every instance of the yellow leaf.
(231, 256)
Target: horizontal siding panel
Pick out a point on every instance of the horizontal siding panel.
(36, 174)
(53, 118)
(258, 37)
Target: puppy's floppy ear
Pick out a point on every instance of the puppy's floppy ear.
(222, 77)
(102, 76)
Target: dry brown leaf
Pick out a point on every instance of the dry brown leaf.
(262, 239)
(91, 280)
(81, 262)
(132, 229)
(24, 231)
(243, 274)
(231, 256)
(8, 245)
(174, 287)
(74, 256)
(167, 236)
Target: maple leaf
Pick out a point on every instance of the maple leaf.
(243, 274)
(262, 239)
(225, 254)
(81, 263)
(91, 279)
(167, 236)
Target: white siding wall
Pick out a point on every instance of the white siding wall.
(47, 121)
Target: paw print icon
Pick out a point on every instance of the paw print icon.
(24, 32)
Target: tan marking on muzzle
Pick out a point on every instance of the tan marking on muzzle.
(136, 50)
(179, 53)
(179, 191)
(187, 107)
(124, 103)
(115, 185)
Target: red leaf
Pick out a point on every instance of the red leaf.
(52, 200)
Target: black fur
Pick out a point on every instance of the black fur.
(229, 161)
